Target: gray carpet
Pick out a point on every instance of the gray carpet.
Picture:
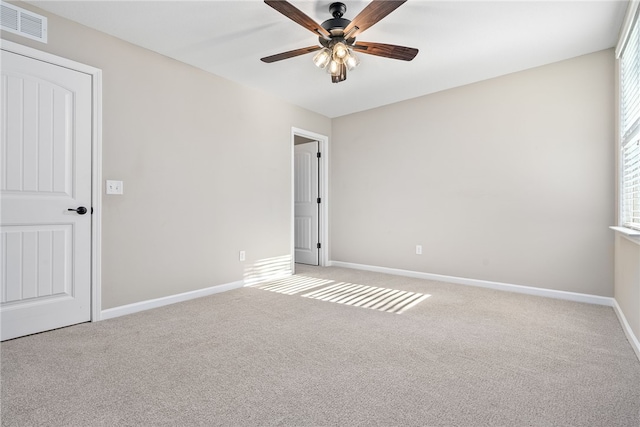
(249, 357)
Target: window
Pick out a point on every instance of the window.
(629, 56)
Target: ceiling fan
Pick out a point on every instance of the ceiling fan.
(337, 37)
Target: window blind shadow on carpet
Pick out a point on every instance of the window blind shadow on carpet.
(372, 297)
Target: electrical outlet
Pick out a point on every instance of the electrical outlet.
(114, 187)
(418, 249)
(243, 256)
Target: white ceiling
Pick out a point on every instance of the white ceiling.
(460, 42)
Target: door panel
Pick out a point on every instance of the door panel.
(306, 204)
(38, 262)
(46, 170)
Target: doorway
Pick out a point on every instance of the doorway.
(309, 198)
(306, 201)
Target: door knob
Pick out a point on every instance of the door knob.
(81, 210)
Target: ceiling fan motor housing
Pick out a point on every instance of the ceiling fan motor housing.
(336, 25)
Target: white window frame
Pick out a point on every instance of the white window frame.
(629, 130)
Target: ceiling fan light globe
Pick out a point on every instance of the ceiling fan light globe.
(333, 68)
(340, 52)
(352, 61)
(322, 58)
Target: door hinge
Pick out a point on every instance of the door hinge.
(319, 200)
(318, 245)
(319, 155)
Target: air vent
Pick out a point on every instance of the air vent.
(20, 21)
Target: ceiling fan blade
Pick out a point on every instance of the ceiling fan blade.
(386, 50)
(370, 15)
(289, 54)
(296, 15)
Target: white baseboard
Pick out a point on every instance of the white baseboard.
(123, 310)
(529, 290)
(633, 340)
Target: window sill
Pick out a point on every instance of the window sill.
(628, 233)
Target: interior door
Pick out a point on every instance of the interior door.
(306, 203)
(45, 183)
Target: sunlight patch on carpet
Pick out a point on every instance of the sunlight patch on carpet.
(293, 285)
(383, 299)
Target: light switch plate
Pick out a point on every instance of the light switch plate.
(114, 187)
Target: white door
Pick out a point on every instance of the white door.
(306, 203)
(45, 171)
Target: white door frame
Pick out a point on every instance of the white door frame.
(96, 158)
(323, 180)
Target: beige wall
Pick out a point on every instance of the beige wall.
(508, 180)
(205, 163)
